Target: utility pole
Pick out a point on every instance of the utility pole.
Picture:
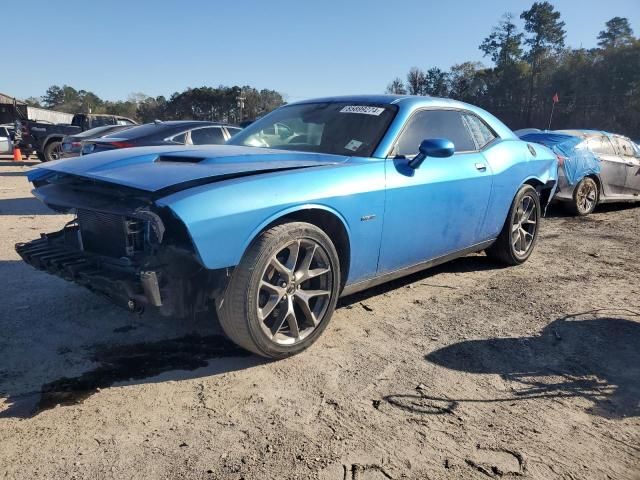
(240, 100)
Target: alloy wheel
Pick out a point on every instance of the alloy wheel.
(295, 291)
(524, 226)
(586, 196)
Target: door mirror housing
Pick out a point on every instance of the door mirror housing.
(433, 147)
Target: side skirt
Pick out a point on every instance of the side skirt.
(619, 198)
(403, 272)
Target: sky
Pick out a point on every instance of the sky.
(300, 48)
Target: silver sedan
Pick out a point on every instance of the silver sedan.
(619, 177)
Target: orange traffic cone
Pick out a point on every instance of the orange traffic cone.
(17, 154)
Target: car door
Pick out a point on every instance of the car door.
(631, 157)
(207, 136)
(613, 170)
(438, 208)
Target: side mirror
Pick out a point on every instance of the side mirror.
(433, 147)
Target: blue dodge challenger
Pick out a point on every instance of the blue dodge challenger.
(318, 199)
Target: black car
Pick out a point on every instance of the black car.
(178, 132)
(72, 144)
(46, 138)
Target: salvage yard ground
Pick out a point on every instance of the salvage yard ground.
(466, 371)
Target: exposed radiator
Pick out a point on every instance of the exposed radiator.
(110, 235)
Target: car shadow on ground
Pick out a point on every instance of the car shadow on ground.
(558, 211)
(176, 358)
(13, 174)
(120, 347)
(24, 206)
(594, 359)
(61, 344)
(25, 163)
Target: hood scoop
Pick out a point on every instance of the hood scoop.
(179, 159)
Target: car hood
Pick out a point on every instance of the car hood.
(156, 168)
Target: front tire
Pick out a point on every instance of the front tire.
(519, 234)
(284, 291)
(585, 197)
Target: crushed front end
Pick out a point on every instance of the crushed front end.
(122, 246)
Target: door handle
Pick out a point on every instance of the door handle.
(481, 167)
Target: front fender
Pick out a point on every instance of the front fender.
(291, 210)
(223, 218)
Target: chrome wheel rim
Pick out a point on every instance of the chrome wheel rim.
(294, 292)
(525, 224)
(586, 196)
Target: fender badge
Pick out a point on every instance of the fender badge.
(532, 150)
(367, 218)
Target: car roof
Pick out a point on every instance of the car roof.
(390, 99)
(585, 132)
(185, 122)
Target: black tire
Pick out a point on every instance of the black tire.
(585, 197)
(40, 156)
(246, 294)
(52, 151)
(508, 248)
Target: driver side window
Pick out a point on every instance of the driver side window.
(425, 124)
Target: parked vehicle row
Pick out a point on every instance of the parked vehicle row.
(46, 138)
(178, 132)
(72, 144)
(315, 200)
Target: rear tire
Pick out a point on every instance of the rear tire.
(585, 197)
(519, 234)
(283, 293)
(52, 151)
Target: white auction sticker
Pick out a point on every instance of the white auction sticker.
(353, 145)
(365, 109)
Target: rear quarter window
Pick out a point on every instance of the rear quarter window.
(480, 132)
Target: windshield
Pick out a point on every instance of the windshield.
(345, 128)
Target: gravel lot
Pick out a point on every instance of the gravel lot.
(466, 371)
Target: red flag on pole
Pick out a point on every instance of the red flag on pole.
(556, 98)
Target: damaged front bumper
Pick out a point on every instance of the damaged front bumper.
(169, 281)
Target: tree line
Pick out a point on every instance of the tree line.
(597, 88)
(224, 104)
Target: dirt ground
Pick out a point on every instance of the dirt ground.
(462, 372)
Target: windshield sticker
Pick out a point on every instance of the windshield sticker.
(367, 110)
(353, 145)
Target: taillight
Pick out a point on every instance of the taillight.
(122, 144)
(76, 144)
(561, 160)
